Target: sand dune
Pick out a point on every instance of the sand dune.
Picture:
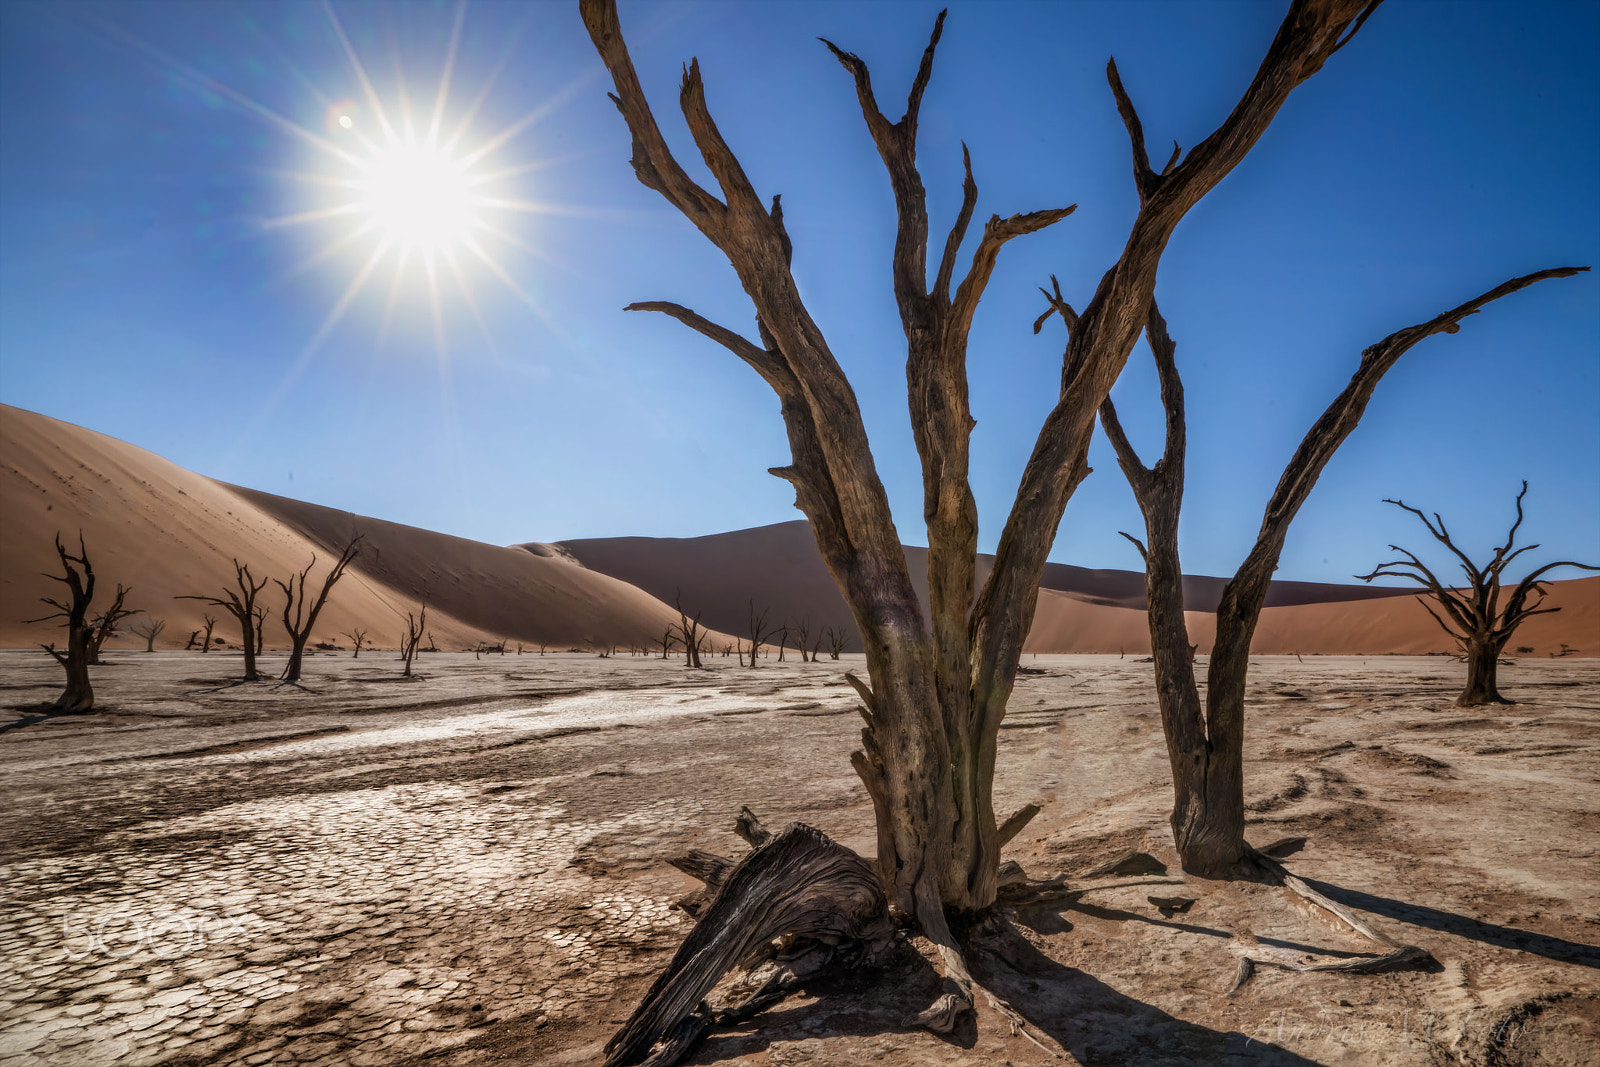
(165, 531)
(1067, 623)
(778, 567)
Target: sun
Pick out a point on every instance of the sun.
(418, 196)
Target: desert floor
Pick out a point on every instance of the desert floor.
(466, 868)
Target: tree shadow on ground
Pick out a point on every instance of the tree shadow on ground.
(1103, 1027)
(1549, 947)
(1098, 1025)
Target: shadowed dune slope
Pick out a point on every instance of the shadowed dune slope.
(509, 591)
(165, 531)
(779, 567)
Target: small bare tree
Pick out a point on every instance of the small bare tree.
(300, 611)
(668, 640)
(105, 625)
(1205, 744)
(1473, 615)
(150, 629)
(691, 633)
(803, 633)
(251, 616)
(259, 613)
(78, 696)
(758, 631)
(357, 638)
(836, 640)
(413, 638)
(210, 624)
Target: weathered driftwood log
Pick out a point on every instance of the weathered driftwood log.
(799, 883)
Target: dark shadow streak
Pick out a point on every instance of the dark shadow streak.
(1553, 948)
(1102, 1027)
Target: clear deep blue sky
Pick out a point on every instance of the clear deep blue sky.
(147, 292)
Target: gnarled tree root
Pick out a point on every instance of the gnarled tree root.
(1396, 957)
(798, 884)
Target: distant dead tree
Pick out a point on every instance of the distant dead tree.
(691, 633)
(938, 695)
(836, 640)
(668, 640)
(1205, 743)
(150, 629)
(1473, 615)
(106, 624)
(300, 611)
(757, 629)
(251, 616)
(210, 623)
(408, 644)
(803, 633)
(194, 639)
(78, 696)
(357, 638)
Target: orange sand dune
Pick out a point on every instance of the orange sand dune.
(165, 531)
(1066, 623)
(779, 567)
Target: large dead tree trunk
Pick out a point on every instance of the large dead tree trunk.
(1206, 751)
(937, 697)
(300, 611)
(1473, 615)
(78, 696)
(250, 616)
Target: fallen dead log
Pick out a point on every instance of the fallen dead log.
(799, 884)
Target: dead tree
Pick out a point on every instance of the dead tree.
(358, 638)
(1205, 743)
(836, 641)
(936, 697)
(194, 638)
(690, 631)
(300, 611)
(210, 623)
(78, 696)
(250, 615)
(668, 640)
(105, 625)
(757, 629)
(1473, 615)
(149, 630)
(413, 638)
(803, 632)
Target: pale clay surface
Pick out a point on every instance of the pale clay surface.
(465, 868)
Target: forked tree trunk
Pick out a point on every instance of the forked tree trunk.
(300, 611)
(78, 695)
(1207, 753)
(937, 696)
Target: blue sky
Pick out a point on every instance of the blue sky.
(150, 289)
